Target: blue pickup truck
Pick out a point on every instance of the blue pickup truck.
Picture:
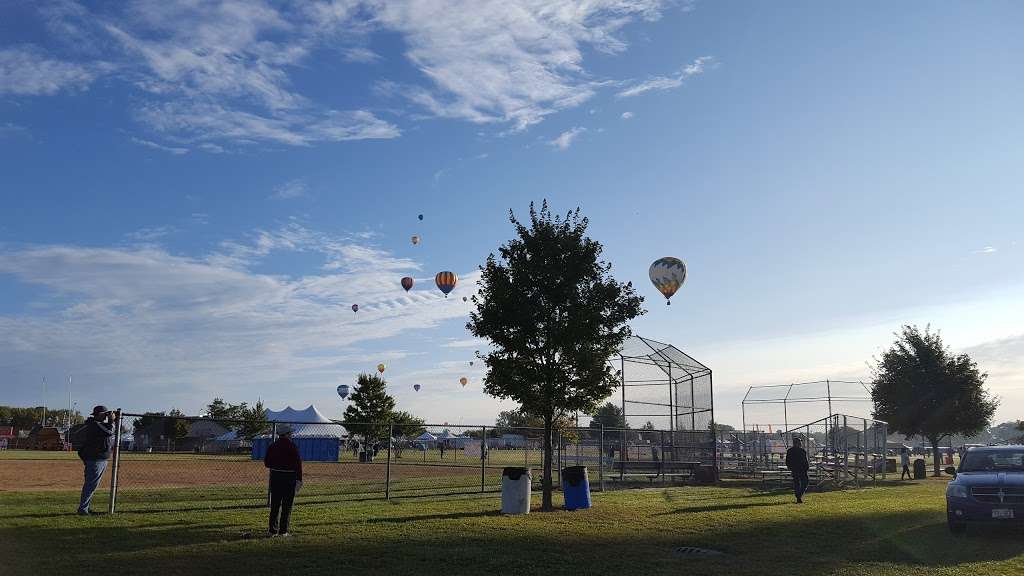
(987, 488)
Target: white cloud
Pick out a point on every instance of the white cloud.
(511, 61)
(291, 189)
(151, 233)
(565, 139)
(148, 323)
(176, 150)
(360, 54)
(987, 250)
(27, 71)
(627, 115)
(668, 82)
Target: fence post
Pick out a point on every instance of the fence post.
(661, 459)
(483, 456)
(600, 459)
(273, 438)
(387, 471)
(117, 460)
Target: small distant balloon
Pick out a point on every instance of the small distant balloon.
(421, 216)
(415, 240)
(416, 387)
(380, 368)
(463, 381)
(470, 362)
(355, 307)
(343, 391)
(464, 299)
(407, 283)
(446, 281)
(668, 274)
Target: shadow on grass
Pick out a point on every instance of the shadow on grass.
(720, 508)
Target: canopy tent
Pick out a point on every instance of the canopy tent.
(315, 435)
(307, 423)
(426, 437)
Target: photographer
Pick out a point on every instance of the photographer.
(99, 434)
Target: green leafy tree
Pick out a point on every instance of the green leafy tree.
(554, 316)
(370, 408)
(142, 423)
(221, 410)
(610, 416)
(921, 389)
(255, 420)
(406, 425)
(176, 426)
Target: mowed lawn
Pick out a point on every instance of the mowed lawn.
(898, 528)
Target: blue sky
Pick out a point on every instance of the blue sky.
(193, 194)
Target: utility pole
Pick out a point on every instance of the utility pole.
(43, 422)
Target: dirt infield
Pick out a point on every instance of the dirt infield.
(24, 475)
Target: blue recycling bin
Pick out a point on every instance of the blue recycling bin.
(576, 488)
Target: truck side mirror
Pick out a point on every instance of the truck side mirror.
(951, 470)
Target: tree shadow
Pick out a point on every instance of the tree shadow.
(720, 508)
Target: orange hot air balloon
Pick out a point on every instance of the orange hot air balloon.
(380, 368)
(446, 281)
(415, 240)
(463, 381)
(407, 283)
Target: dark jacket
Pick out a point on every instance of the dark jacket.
(796, 460)
(99, 440)
(284, 455)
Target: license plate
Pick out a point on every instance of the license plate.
(1002, 513)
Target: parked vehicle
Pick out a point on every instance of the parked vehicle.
(987, 488)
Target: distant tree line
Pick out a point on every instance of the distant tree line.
(27, 418)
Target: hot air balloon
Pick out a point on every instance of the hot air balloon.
(343, 391)
(668, 274)
(464, 299)
(380, 368)
(407, 283)
(416, 387)
(446, 281)
(421, 216)
(415, 240)
(355, 307)
(463, 381)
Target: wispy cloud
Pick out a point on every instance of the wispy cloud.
(27, 71)
(176, 150)
(360, 54)
(141, 318)
(987, 250)
(668, 82)
(627, 115)
(565, 139)
(151, 233)
(289, 190)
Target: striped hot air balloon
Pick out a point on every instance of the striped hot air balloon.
(446, 281)
(407, 283)
(668, 274)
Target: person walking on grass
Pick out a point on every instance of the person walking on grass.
(905, 461)
(285, 465)
(796, 461)
(98, 431)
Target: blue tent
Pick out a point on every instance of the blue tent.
(316, 436)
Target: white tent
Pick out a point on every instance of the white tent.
(426, 437)
(308, 423)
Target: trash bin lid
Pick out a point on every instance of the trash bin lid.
(514, 473)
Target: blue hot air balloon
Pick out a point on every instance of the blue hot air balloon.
(343, 391)
(416, 387)
(668, 274)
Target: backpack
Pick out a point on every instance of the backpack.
(79, 435)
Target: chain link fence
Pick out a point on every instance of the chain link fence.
(180, 463)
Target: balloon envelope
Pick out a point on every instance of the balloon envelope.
(415, 240)
(407, 283)
(668, 274)
(446, 281)
(421, 216)
(355, 307)
(464, 299)
(416, 387)
(343, 391)
(380, 368)
(463, 380)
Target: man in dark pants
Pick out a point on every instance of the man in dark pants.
(796, 461)
(94, 452)
(285, 479)
(905, 461)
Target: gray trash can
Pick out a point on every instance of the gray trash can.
(920, 469)
(515, 491)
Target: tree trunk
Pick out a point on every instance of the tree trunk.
(546, 505)
(936, 458)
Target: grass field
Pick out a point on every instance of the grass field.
(893, 529)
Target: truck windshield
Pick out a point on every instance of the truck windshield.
(993, 461)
